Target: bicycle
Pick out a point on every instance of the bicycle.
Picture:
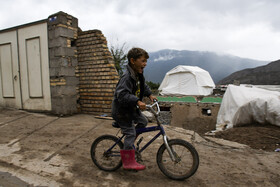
(176, 158)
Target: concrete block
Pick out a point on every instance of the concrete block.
(53, 72)
(58, 62)
(62, 71)
(65, 105)
(63, 62)
(74, 61)
(74, 22)
(62, 18)
(64, 32)
(60, 91)
(51, 52)
(64, 51)
(51, 34)
(72, 81)
(58, 42)
(69, 91)
(57, 18)
(64, 109)
(67, 71)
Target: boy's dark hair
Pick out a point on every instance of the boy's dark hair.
(136, 53)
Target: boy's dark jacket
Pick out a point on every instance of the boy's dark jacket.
(124, 103)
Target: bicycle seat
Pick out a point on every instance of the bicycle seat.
(115, 125)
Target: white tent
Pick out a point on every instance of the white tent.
(186, 80)
(244, 105)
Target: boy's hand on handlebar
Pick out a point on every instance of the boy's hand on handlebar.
(152, 98)
(141, 105)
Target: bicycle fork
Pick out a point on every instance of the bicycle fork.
(170, 151)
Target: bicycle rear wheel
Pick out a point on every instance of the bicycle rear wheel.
(186, 160)
(104, 154)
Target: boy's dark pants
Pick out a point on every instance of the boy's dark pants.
(129, 129)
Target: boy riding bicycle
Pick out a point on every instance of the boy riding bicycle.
(129, 93)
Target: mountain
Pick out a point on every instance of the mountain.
(219, 66)
(263, 75)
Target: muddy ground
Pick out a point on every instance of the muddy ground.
(44, 150)
(257, 136)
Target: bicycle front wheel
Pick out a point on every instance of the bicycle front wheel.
(105, 152)
(186, 160)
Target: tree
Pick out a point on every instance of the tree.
(119, 57)
(153, 86)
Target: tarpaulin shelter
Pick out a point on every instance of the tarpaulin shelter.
(243, 105)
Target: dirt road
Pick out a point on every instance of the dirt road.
(44, 150)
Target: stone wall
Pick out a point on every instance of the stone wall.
(63, 31)
(97, 73)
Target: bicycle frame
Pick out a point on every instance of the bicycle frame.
(159, 127)
(141, 131)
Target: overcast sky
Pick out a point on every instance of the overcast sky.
(245, 28)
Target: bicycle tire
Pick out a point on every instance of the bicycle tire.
(112, 160)
(163, 163)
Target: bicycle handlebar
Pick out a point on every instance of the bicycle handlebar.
(151, 108)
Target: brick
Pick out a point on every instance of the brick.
(58, 83)
(97, 73)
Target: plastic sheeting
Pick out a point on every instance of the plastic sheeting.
(243, 105)
(187, 80)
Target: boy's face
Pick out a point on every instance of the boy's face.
(139, 64)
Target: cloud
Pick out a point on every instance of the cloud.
(244, 28)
